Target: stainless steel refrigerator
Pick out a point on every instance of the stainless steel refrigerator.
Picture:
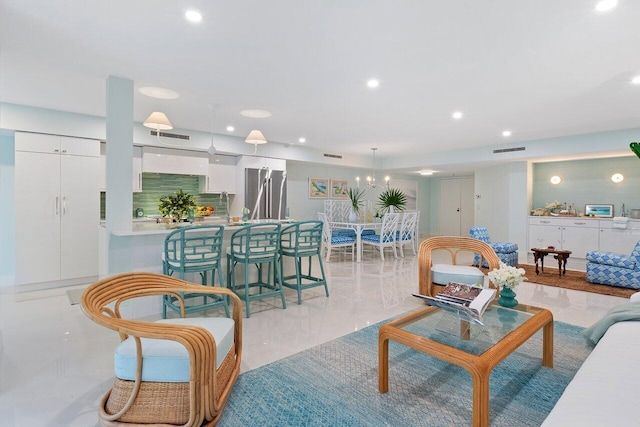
(265, 193)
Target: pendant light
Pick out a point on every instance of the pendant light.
(158, 121)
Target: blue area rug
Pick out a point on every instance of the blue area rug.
(336, 384)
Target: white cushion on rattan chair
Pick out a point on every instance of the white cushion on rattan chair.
(168, 361)
(445, 273)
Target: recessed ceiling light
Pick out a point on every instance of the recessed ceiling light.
(457, 115)
(159, 92)
(255, 114)
(373, 83)
(506, 133)
(193, 16)
(426, 173)
(617, 177)
(636, 80)
(606, 5)
(230, 128)
(302, 140)
(555, 180)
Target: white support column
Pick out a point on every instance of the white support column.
(119, 209)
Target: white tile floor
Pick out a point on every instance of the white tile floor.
(55, 363)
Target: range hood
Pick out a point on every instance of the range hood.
(178, 162)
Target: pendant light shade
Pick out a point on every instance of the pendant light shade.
(255, 137)
(158, 121)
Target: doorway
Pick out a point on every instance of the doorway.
(455, 206)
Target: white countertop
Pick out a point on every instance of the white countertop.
(142, 228)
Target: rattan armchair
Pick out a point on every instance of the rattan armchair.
(453, 245)
(199, 400)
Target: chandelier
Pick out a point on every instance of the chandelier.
(371, 179)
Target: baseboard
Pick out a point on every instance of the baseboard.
(30, 287)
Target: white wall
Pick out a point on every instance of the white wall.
(503, 203)
(303, 208)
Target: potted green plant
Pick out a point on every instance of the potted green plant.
(392, 200)
(177, 206)
(355, 196)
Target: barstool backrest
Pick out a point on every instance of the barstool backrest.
(256, 240)
(301, 238)
(194, 245)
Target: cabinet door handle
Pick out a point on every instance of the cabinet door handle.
(208, 188)
(64, 205)
(140, 181)
(579, 223)
(57, 206)
(545, 222)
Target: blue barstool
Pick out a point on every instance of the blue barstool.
(257, 245)
(195, 249)
(302, 240)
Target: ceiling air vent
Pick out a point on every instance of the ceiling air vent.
(170, 135)
(333, 156)
(508, 150)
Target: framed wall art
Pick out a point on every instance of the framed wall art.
(318, 188)
(339, 189)
(600, 211)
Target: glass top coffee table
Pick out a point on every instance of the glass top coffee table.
(476, 348)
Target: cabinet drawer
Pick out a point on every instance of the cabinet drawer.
(564, 222)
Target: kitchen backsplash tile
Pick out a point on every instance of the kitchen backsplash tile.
(156, 185)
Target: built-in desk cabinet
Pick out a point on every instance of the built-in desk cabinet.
(618, 240)
(581, 235)
(57, 207)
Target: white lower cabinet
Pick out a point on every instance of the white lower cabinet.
(57, 208)
(621, 241)
(582, 235)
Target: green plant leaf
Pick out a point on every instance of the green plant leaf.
(392, 197)
(356, 195)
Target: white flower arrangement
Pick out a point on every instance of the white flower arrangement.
(554, 205)
(507, 276)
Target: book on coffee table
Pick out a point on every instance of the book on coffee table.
(467, 301)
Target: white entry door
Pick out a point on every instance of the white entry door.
(455, 206)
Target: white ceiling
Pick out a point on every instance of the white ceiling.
(541, 68)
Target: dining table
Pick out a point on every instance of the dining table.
(358, 227)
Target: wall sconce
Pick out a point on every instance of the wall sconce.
(617, 178)
(255, 137)
(158, 121)
(386, 181)
(555, 180)
(358, 181)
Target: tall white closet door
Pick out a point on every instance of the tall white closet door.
(37, 200)
(80, 216)
(455, 206)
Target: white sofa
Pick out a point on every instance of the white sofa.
(604, 391)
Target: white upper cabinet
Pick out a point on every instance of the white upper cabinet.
(54, 144)
(137, 169)
(221, 176)
(179, 162)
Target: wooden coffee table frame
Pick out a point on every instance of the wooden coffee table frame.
(479, 367)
